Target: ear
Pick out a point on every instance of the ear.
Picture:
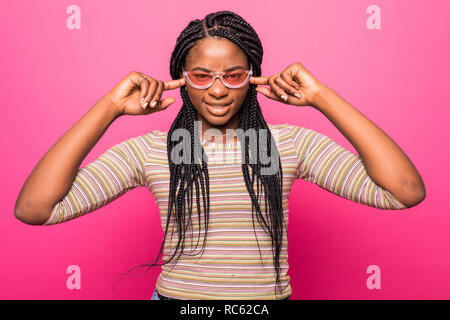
(181, 73)
(181, 69)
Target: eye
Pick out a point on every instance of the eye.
(235, 74)
(201, 75)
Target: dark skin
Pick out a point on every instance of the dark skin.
(385, 162)
(139, 94)
(217, 54)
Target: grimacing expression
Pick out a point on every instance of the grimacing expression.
(216, 54)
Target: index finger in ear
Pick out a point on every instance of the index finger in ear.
(259, 80)
(173, 84)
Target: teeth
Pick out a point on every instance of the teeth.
(217, 106)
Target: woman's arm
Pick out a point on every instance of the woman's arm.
(118, 170)
(385, 162)
(54, 174)
(57, 190)
(322, 161)
(387, 165)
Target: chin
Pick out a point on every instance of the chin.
(217, 121)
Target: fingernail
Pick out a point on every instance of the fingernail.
(284, 98)
(145, 105)
(298, 95)
(153, 104)
(142, 101)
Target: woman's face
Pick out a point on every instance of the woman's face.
(216, 54)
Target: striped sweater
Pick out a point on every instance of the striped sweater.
(231, 266)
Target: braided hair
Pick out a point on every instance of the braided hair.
(184, 176)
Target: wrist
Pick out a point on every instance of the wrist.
(318, 99)
(107, 108)
(110, 103)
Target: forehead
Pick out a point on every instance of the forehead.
(215, 53)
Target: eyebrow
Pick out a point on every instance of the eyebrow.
(229, 69)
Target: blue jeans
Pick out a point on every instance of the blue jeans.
(155, 296)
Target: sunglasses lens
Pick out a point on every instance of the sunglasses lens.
(235, 78)
(200, 78)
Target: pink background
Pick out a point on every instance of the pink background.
(396, 76)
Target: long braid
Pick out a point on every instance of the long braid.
(184, 176)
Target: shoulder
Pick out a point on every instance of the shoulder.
(141, 144)
(301, 138)
(156, 138)
(289, 131)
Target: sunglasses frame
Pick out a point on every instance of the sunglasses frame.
(218, 74)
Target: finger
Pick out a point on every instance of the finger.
(259, 80)
(157, 96)
(173, 84)
(151, 92)
(144, 90)
(290, 81)
(277, 89)
(268, 93)
(165, 103)
(286, 87)
(136, 77)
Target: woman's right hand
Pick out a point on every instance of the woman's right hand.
(130, 95)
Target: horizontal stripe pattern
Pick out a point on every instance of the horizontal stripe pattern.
(327, 164)
(237, 259)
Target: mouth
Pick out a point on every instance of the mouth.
(217, 110)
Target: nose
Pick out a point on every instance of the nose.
(218, 89)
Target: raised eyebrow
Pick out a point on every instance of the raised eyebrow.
(227, 70)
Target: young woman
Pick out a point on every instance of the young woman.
(224, 221)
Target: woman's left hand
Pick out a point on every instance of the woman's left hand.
(295, 83)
